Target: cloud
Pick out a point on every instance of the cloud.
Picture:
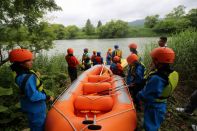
(78, 11)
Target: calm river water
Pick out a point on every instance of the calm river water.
(101, 45)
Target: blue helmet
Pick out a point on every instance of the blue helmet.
(116, 46)
(85, 50)
(98, 53)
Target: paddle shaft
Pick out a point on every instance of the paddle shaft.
(102, 69)
(113, 89)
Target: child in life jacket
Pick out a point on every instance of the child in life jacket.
(72, 64)
(135, 77)
(32, 95)
(158, 88)
(116, 67)
(98, 59)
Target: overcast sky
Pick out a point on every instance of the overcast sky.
(76, 12)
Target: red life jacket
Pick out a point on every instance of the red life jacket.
(71, 60)
(98, 60)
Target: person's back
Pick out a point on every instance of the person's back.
(98, 59)
(72, 64)
(116, 67)
(109, 57)
(71, 60)
(117, 52)
(93, 58)
(86, 59)
(135, 73)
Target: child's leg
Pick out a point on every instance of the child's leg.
(36, 121)
(153, 118)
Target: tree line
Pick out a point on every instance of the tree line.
(177, 20)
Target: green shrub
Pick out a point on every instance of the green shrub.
(185, 46)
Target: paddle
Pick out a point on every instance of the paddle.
(102, 69)
(107, 79)
(112, 89)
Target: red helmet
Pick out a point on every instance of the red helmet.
(163, 55)
(133, 45)
(70, 51)
(132, 58)
(116, 59)
(20, 55)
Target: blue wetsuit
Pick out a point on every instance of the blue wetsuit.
(33, 102)
(154, 112)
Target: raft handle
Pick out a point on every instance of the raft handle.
(94, 126)
(86, 121)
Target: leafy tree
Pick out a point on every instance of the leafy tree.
(99, 24)
(171, 25)
(165, 26)
(71, 31)
(89, 28)
(42, 37)
(175, 21)
(25, 12)
(151, 21)
(114, 29)
(176, 12)
(192, 16)
(59, 30)
(20, 18)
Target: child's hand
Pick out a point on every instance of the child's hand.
(50, 99)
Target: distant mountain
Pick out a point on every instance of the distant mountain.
(139, 22)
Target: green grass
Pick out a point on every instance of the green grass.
(185, 47)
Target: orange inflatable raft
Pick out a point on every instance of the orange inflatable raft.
(97, 100)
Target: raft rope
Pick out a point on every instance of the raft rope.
(59, 97)
(66, 118)
(109, 117)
